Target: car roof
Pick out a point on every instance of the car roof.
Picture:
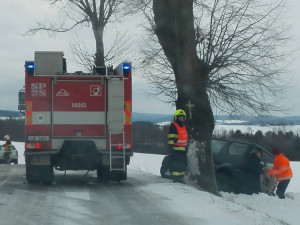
(242, 141)
(234, 140)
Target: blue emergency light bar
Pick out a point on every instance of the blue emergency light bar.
(29, 66)
(126, 67)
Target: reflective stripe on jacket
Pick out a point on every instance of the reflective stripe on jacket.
(179, 140)
(281, 168)
(8, 147)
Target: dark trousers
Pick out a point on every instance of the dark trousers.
(281, 187)
(179, 162)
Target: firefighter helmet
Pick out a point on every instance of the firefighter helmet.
(179, 112)
(6, 137)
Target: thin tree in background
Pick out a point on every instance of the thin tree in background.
(95, 13)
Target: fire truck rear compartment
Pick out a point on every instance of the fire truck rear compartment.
(83, 155)
(77, 155)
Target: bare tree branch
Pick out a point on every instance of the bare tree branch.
(97, 13)
(242, 45)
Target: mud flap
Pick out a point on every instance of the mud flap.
(39, 168)
(35, 174)
(105, 175)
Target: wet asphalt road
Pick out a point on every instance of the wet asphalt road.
(76, 198)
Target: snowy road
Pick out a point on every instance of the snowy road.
(79, 199)
(144, 198)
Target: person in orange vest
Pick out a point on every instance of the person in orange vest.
(8, 148)
(282, 171)
(177, 142)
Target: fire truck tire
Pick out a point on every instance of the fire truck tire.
(118, 175)
(32, 174)
(47, 175)
(123, 175)
(103, 174)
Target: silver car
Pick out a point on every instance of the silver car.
(13, 158)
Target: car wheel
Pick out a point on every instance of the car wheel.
(165, 167)
(223, 182)
(15, 161)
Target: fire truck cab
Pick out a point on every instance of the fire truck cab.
(76, 121)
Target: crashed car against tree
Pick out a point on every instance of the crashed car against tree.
(229, 158)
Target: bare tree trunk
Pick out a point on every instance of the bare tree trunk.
(99, 55)
(175, 31)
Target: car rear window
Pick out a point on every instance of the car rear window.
(238, 149)
(216, 146)
(267, 159)
(237, 152)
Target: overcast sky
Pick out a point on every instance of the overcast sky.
(17, 16)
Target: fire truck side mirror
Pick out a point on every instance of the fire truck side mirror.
(21, 106)
(29, 67)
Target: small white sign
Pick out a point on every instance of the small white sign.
(95, 90)
(40, 118)
(62, 92)
(38, 89)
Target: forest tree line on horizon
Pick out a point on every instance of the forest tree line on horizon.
(151, 138)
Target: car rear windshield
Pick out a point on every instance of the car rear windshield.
(216, 146)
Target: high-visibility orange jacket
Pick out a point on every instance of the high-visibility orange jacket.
(7, 147)
(281, 168)
(179, 140)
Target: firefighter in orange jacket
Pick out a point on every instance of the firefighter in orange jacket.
(177, 142)
(8, 148)
(282, 171)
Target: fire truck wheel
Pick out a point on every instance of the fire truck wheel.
(118, 175)
(123, 175)
(103, 174)
(32, 174)
(47, 175)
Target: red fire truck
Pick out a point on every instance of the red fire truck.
(76, 121)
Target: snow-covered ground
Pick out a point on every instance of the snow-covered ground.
(231, 209)
(199, 207)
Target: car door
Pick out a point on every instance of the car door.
(2, 151)
(268, 183)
